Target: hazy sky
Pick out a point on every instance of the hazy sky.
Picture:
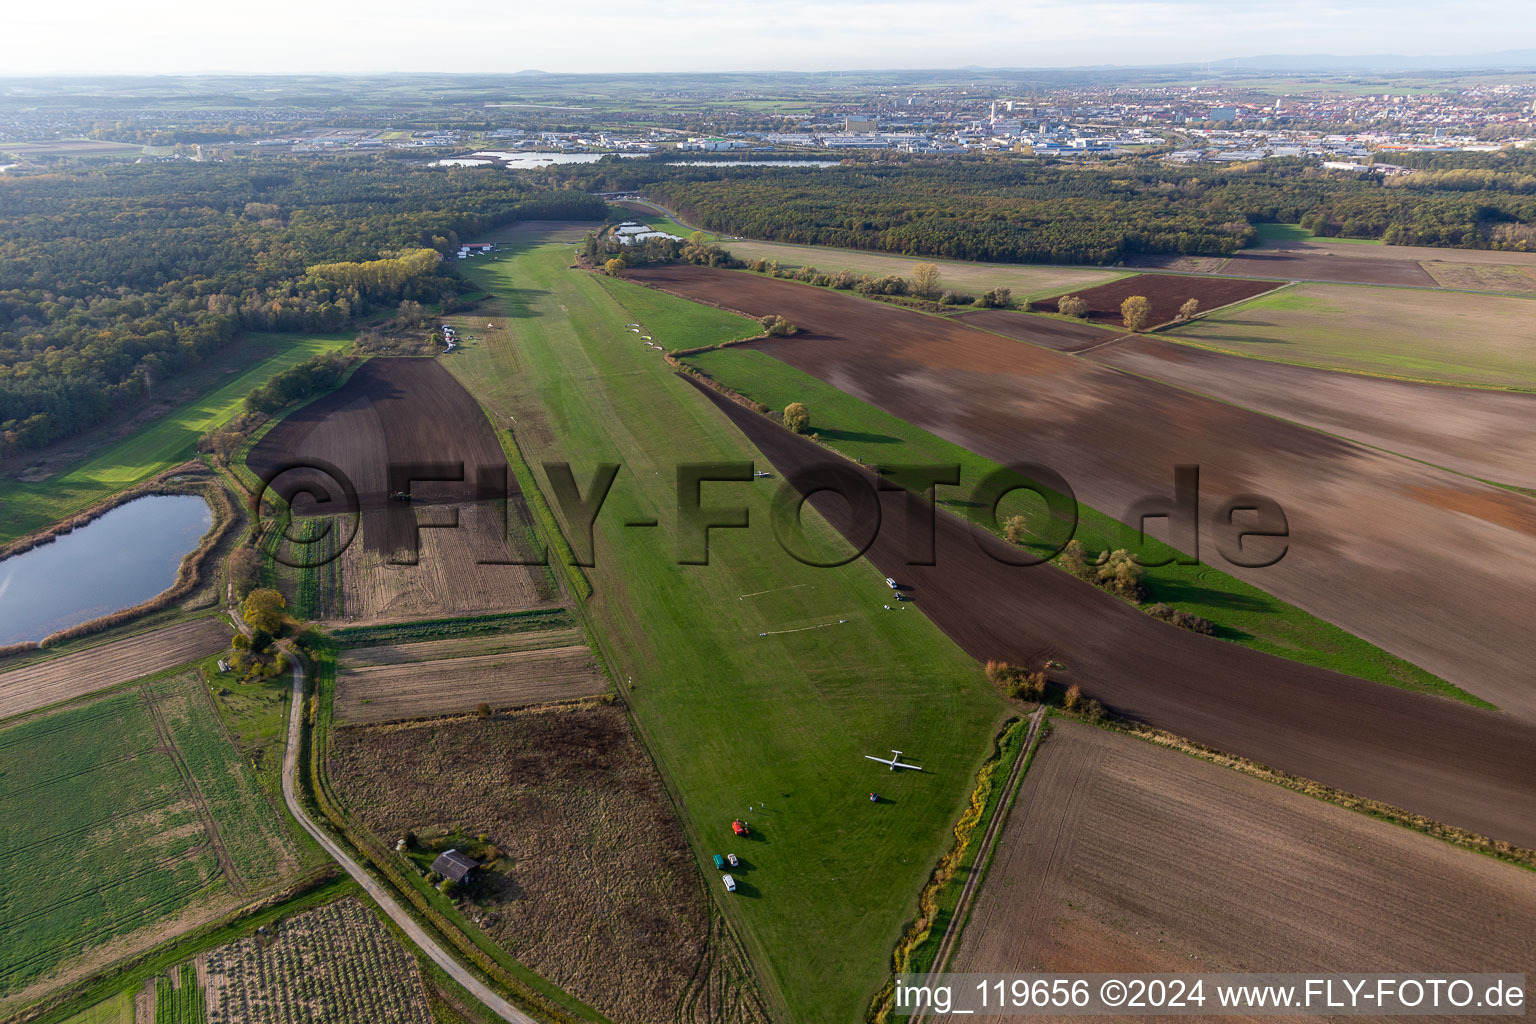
(171, 36)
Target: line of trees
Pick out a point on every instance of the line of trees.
(1040, 211)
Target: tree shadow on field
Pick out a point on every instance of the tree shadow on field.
(518, 302)
(1244, 339)
(857, 435)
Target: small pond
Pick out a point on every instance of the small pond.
(117, 561)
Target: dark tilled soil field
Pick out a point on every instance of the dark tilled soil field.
(1061, 335)
(596, 888)
(1320, 266)
(1446, 760)
(409, 416)
(1167, 292)
(1431, 565)
(1122, 856)
(1484, 433)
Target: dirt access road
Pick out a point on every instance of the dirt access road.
(1443, 759)
(1430, 565)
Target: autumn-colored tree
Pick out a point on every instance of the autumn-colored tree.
(1189, 309)
(1016, 528)
(797, 417)
(264, 609)
(1135, 312)
(1072, 305)
(614, 267)
(925, 279)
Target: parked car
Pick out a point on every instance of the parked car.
(890, 583)
(719, 863)
(730, 883)
(731, 858)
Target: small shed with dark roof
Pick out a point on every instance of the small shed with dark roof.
(455, 865)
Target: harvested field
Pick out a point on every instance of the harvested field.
(1310, 266)
(1183, 264)
(1431, 566)
(334, 963)
(595, 887)
(1359, 249)
(458, 647)
(73, 675)
(1123, 856)
(412, 419)
(1482, 277)
(1026, 280)
(1166, 292)
(455, 570)
(421, 689)
(1061, 335)
(1486, 434)
(1454, 337)
(1449, 761)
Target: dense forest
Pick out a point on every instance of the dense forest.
(1095, 212)
(112, 279)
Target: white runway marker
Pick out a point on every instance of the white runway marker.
(760, 593)
(802, 629)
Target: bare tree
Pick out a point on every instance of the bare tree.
(925, 279)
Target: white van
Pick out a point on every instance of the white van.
(730, 883)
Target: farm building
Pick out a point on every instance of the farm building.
(455, 865)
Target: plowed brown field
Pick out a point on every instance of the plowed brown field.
(387, 693)
(1446, 760)
(1123, 856)
(397, 419)
(1061, 335)
(1166, 292)
(1430, 565)
(1484, 433)
(73, 675)
(1322, 266)
(392, 413)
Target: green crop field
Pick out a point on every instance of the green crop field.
(181, 1001)
(1245, 614)
(160, 445)
(1027, 281)
(758, 682)
(119, 794)
(1443, 336)
(117, 1010)
(674, 324)
(1297, 233)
